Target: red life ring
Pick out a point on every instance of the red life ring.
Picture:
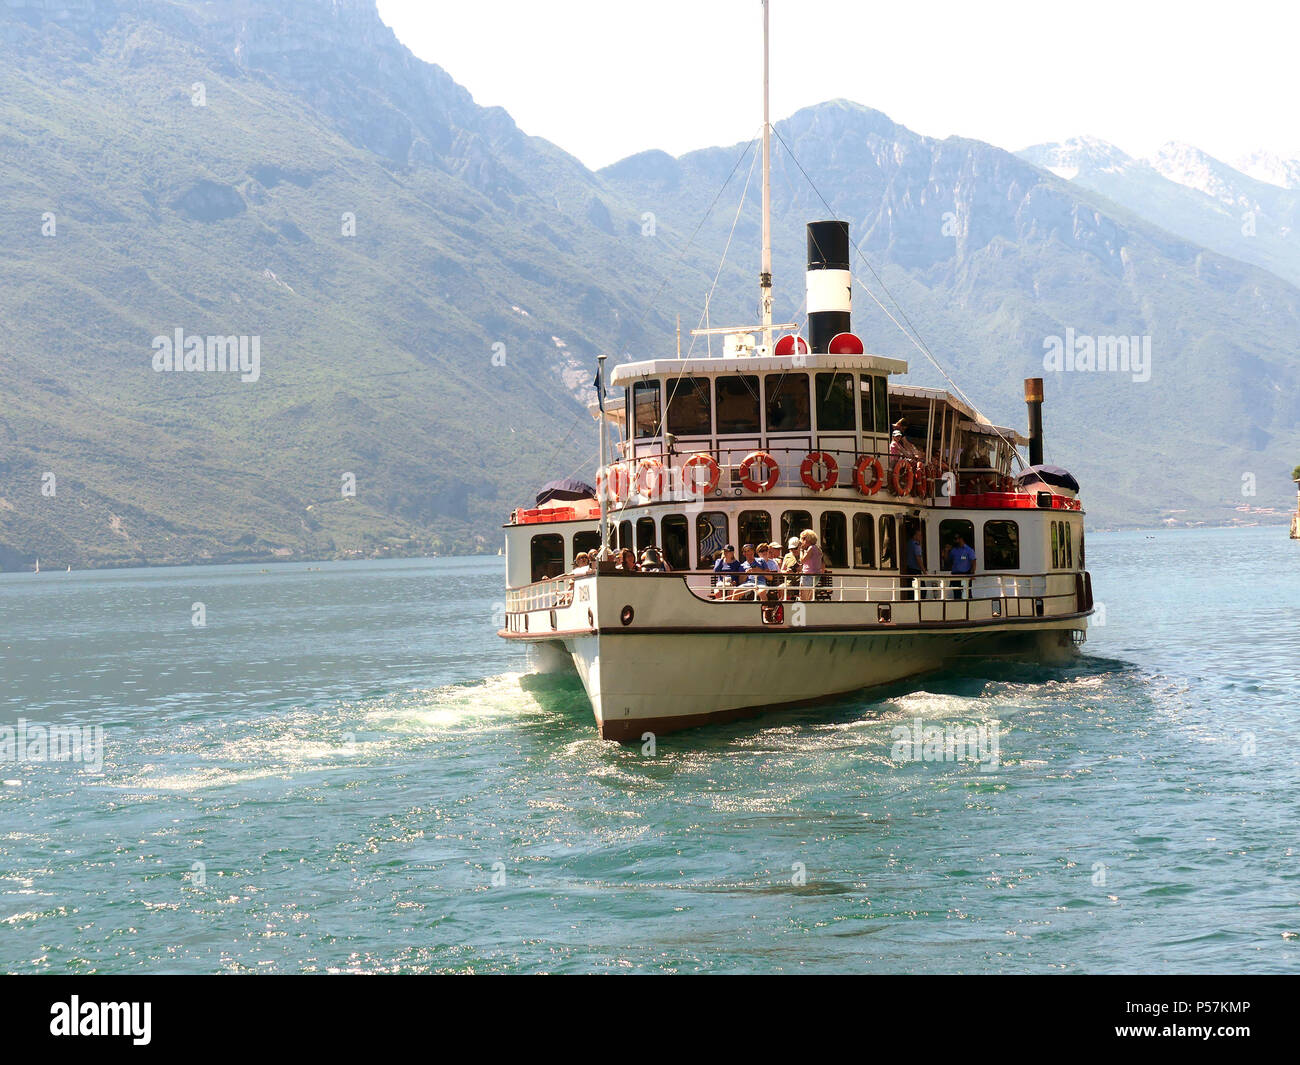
(747, 479)
(617, 477)
(822, 458)
(695, 462)
(644, 485)
(901, 477)
(867, 462)
(921, 480)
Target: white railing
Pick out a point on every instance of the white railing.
(891, 588)
(542, 595)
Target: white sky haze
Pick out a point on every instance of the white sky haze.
(604, 80)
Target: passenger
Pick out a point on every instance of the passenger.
(627, 560)
(913, 563)
(726, 567)
(581, 564)
(961, 560)
(790, 567)
(899, 445)
(756, 567)
(810, 564)
(769, 557)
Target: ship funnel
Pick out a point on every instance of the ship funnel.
(1034, 401)
(830, 284)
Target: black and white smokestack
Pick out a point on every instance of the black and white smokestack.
(830, 285)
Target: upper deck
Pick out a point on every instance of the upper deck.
(792, 407)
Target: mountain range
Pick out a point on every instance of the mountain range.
(1250, 211)
(427, 287)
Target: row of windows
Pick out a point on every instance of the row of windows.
(1063, 546)
(785, 399)
(871, 540)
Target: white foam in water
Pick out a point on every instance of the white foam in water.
(494, 703)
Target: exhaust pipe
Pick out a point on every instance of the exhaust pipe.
(1034, 401)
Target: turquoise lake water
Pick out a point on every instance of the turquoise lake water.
(344, 769)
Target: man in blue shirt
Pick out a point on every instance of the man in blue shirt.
(913, 562)
(727, 565)
(961, 560)
(757, 565)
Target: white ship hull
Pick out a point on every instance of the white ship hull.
(645, 678)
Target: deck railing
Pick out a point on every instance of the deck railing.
(540, 595)
(1050, 593)
(889, 588)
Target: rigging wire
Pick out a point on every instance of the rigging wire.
(708, 298)
(708, 211)
(910, 331)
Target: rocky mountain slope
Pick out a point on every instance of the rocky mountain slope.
(427, 287)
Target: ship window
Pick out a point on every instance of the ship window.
(1056, 548)
(547, 556)
(866, 389)
(873, 399)
(624, 535)
(835, 539)
(793, 522)
(948, 530)
(645, 534)
(1001, 545)
(738, 404)
(864, 541)
(710, 536)
(754, 527)
(888, 542)
(1082, 559)
(585, 541)
(690, 407)
(645, 407)
(787, 403)
(674, 539)
(835, 402)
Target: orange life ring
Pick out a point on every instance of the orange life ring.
(869, 488)
(747, 479)
(823, 458)
(644, 485)
(695, 462)
(617, 478)
(921, 480)
(901, 478)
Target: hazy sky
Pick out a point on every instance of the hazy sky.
(606, 79)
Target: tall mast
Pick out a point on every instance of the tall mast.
(603, 480)
(765, 278)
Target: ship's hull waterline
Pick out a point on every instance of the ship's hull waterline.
(660, 684)
(641, 678)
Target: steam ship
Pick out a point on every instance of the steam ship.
(791, 430)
